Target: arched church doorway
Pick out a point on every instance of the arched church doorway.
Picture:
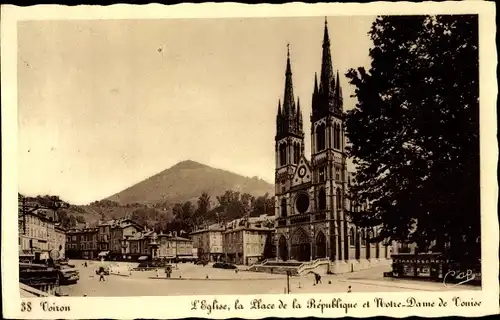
(320, 245)
(282, 249)
(301, 245)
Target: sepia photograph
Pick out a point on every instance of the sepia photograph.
(320, 154)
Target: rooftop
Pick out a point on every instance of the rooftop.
(248, 228)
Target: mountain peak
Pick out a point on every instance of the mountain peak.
(186, 181)
(188, 164)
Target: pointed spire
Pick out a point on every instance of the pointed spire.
(288, 121)
(288, 99)
(315, 82)
(327, 78)
(338, 93)
(279, 120)
(299, 117)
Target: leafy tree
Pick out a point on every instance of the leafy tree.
(63, 218)
(201, 214)
(72, 221)
(263, 205)
(80, 219)
(414, 133)
(177, 211)
(230, 205)
(187, 210)
(247, 201)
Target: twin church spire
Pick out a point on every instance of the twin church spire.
(289, 119)
(327, 96)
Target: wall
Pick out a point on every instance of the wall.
(216, 242)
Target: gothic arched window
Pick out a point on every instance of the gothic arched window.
(322, 199)
(363, 238)
(351, 236)
(336, 130)
(283, 207)
(283, 154)
(320, 137)
(340, 137)
(335, 135)
(296, 152)
(339, 199)
(322, 173)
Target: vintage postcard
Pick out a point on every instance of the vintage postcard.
(249, 161)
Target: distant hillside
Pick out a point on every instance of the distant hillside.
(186, 181)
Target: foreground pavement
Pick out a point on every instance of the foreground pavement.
(189, 279)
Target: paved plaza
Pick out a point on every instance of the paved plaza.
(188, 279)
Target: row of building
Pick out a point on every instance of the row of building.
(123, 239)
(241, 241)
(40, 234)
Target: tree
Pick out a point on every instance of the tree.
(230, 205)
(80, 219)
(72, 221)
(414, 133)
(263, 205)
(62, 215)
(201, 214)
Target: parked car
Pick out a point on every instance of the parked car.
(68, 274)
(223, 265)
(201, 262)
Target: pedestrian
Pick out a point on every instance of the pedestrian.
(85, 264)
(157, 272)
(349, 289)
(101, 274)
(317, 277)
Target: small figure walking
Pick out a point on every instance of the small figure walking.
(317, 277)
(157, 272)
(101, 274)
(85, 264)
(349, 289)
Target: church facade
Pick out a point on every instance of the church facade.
(310, 203)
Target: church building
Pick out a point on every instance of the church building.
(310, 204)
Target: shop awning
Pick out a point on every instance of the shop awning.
(103, 253)
(142, 258)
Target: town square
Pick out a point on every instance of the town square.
(189, 278)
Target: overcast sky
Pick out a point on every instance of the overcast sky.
(105, 104)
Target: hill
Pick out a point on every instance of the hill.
(186, 181)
